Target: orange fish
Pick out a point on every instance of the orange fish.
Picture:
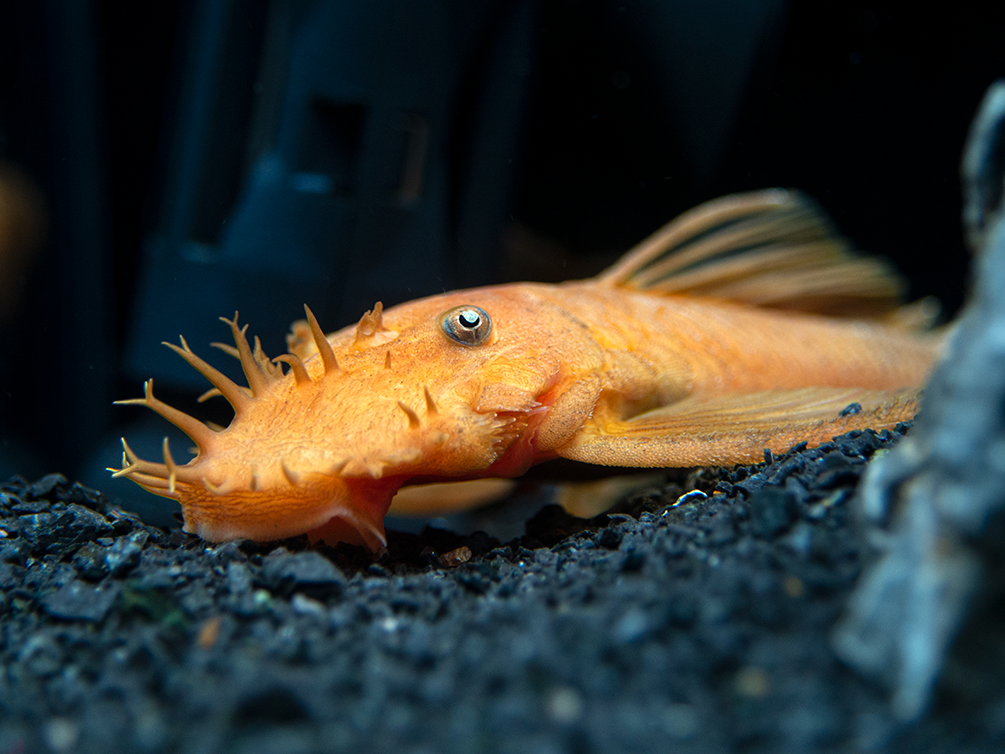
(744, 324)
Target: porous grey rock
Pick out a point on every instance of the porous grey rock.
(933, 507)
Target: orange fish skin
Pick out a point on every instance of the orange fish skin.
(324, 447)
(701, 345)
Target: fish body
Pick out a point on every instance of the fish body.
(742, 325)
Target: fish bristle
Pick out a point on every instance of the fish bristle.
(323, 346)
(229, 389)
(357, 467)
(371, 331)
(431, 409)
(291, 476)
(226, 348)
(258, 379)
(271, 369)
(413, 418)
(371, 322)
(300, 375)
(211, 393)
(201, 434)
(153, 476)
(170, 465)
(217, 489)
(155, 484)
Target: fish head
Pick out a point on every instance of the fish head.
(445, 388)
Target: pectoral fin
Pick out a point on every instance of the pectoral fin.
(732, 429)
(589, 499)
(449, 497)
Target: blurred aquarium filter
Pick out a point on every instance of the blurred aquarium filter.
(331, 153)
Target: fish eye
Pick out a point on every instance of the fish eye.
(467, 325)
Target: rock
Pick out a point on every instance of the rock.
(289, 571)
(79, 600)
(772, 510)
(934, 506)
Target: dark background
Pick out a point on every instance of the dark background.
(628, 113)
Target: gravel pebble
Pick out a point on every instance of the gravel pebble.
(702, 628)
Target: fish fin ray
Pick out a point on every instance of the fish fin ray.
(733, 429)
(774, 248)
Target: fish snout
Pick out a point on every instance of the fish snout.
(328, 507)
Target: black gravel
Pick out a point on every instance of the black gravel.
(702, 627)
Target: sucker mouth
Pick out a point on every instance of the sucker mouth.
(352, 527)
(309, 507)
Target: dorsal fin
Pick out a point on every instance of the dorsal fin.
(771, 248)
